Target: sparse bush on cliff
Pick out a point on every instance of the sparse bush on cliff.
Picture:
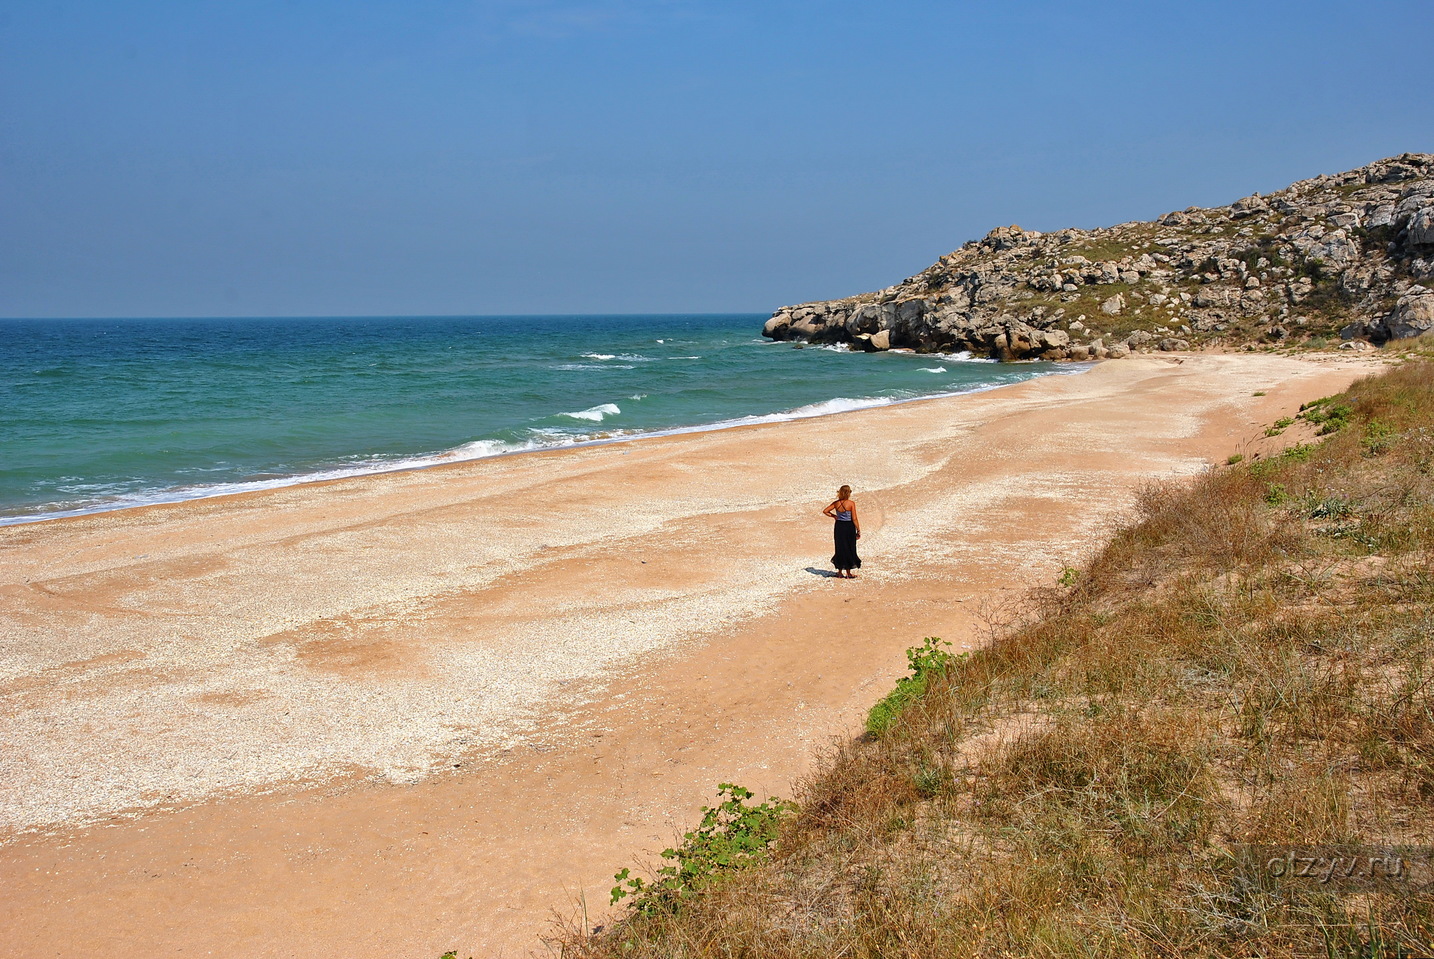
(1246, 665)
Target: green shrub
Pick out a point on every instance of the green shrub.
(1329, 414)
(733, 835)
(924, 661)
(1280, 426)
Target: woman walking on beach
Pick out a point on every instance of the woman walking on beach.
(846, 532)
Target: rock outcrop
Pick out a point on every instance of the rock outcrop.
(1347, 255)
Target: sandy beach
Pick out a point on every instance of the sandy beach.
(412, 712)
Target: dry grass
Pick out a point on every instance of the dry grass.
(1247, 663)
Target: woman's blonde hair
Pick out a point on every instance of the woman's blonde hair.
(844, 493)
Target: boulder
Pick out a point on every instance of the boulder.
(1055, 339)
(1249, 206)
(1334, 248)
(1173, 344)
(910, 311)
(1113, 306)
(1413, 315)
(776, 326)
(1382, 215)
(1421, 227)
(881, 340)
(865, 319)
(1357, 346)
(1357, 328)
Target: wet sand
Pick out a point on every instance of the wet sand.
(398, 714)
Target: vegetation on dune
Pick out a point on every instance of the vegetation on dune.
(1247, 665)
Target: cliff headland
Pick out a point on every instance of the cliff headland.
(1346, 256)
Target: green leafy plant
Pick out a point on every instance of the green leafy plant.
(733, 835)
(1329, 414)
(1234, 458)
(1280, 426)
(1378, 438)
(929, 658)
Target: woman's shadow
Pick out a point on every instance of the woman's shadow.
(828, 573)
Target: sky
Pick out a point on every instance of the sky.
(438, 157)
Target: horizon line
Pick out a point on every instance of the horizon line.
(382, 316)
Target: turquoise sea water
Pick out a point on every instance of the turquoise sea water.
(104, 414)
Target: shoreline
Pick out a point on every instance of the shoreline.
(647, 620)
(445, 458)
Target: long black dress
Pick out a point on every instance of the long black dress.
(844, 532)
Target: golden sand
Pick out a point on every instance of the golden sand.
(404, 713)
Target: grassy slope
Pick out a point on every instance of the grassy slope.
(1247, 663)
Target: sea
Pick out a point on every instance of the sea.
(108, 414)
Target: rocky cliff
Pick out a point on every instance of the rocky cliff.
(1346, 256)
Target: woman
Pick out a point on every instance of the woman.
(846, 532)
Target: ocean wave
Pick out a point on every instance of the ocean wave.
(932, 369)
(596, 414)
(625, 357)
(963, 356)
(839, 404)
(98, 501)
(562, 430)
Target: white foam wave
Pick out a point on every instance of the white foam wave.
(625, 357)
(479, 449)
(933, 369)
(483, 449)
(596, 414)
(964, 356)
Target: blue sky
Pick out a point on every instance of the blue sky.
(197, 158)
